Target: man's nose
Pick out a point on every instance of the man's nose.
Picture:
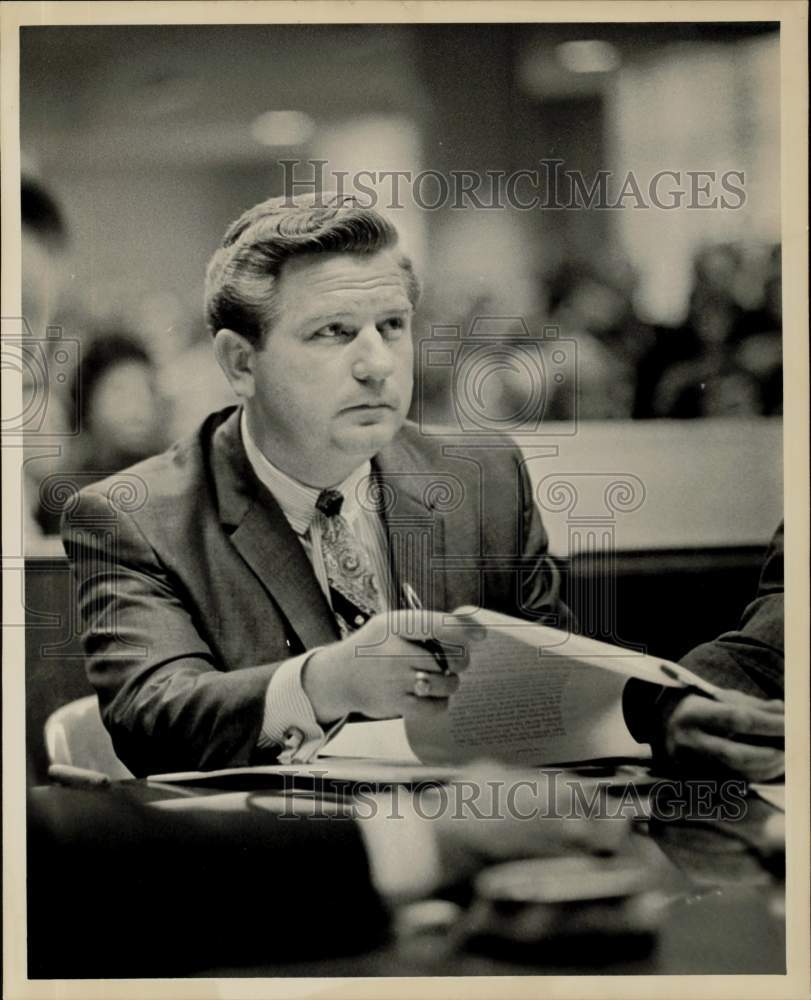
(373, 361)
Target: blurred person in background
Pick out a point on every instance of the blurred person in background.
(44, 239)
(725, 359)
(708, 383)
(596, 310)
(760, 351)
(121, 413)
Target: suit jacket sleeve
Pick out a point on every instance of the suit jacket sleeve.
(749, 658)
(165, 702)
(540, 590)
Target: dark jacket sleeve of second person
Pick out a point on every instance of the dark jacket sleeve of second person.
(750, 658)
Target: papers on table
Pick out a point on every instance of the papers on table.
(340, 771)
(383, 740)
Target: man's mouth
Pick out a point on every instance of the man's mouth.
(371, 406)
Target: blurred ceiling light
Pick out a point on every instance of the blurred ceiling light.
(588, 56)
(282, 128)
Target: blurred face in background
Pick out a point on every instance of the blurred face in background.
(125, 414)
(41, 279)
(713, 321)
(592, 307)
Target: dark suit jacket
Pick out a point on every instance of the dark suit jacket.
(193, 588)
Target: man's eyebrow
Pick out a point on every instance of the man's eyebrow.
(347, 314)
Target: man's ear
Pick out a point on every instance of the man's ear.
(235, 355)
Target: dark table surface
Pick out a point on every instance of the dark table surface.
(720, 882)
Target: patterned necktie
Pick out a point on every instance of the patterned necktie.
(352, 587)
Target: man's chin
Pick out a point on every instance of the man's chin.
(367, 440)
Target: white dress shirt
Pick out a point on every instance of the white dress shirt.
(289, 720)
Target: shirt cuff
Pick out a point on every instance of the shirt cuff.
(289, 721)
(402, 848)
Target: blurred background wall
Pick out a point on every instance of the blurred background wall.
(154, 138)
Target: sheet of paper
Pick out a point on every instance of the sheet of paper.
(383, 740)
(775, 795)
(284, 777)
(523, 704)
(556, 642)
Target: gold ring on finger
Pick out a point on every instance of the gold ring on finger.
(422, 684)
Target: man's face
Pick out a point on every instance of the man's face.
(333, 379)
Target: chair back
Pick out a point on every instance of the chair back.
(76, 736)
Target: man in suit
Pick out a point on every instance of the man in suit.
(245, 593)
(206, 603)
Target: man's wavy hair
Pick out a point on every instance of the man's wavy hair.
(241, 276)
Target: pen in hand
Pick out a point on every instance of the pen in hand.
(431, 645)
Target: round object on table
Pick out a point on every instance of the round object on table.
(559, 880)
(426, 916)
(582, 909)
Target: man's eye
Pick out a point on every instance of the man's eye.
(333, 331)
(392, 325)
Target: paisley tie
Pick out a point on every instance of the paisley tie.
(353, 590)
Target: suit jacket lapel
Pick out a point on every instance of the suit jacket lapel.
(416, 530)
(262, 536)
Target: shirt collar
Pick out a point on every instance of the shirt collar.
(297, 500)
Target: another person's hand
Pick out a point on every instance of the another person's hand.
(373, 671)
(727, 735)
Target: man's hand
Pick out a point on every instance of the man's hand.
(727, 734)
(372, 671)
